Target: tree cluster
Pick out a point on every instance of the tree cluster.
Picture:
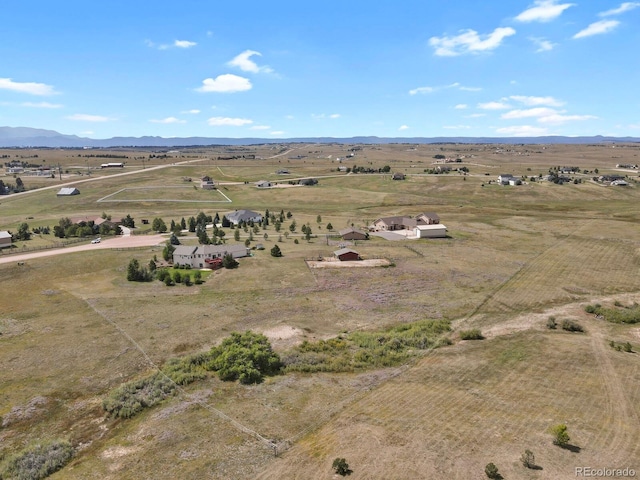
(246, 357)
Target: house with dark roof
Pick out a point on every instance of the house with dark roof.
(244, 216)
(201, 255)
(353, 234)
(207, 183)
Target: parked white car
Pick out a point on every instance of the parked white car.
(96, 240)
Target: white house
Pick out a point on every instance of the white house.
(436, 230)
(195, 256)
(508, 179)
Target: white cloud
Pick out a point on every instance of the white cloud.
(557, 118)
(322, 115)
(403, 127)
(41, 105)
(623, 8)
(543, 11)
(193, 111)
(184, 44)
(421, 90)
(461, 106)
(31, 88)
(528, 113)
(597, 28)
(522, 130)
(443, 87)
(493, 106)
(278, 132)
(83, 117)
(227, 83)
(260, 127)
(468, 41)
(226, 121)
(534, 101)
(169, 120)
(244, 62)
(542, 44)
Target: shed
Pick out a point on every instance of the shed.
(263, 184)
(207, 183)
(431, 231)
(398, 176)
(67, 191)
(346, 255)
(5, 239)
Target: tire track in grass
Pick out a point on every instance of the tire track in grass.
(619, 406)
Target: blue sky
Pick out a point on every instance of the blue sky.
(286, 69)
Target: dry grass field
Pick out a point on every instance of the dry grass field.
(72, 328)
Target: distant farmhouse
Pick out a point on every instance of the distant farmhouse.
(424, 225)
(398, 176)
(245, 216)
(202, 256)
(508, 179)
(112, 165)
(207, 183)
(264, 184)
(5, 239)
(68, 191)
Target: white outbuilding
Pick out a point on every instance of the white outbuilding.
(437, 230)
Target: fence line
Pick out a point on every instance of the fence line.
(26, 249)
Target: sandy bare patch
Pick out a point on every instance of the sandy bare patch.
(333, 263)
(283, 336)
(118, 452)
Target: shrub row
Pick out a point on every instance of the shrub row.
(361, 350)
(620, 314)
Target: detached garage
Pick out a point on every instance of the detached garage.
(430, 231)
(346, 255)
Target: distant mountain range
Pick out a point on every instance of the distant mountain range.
(25, 137)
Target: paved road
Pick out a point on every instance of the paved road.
(125, 241)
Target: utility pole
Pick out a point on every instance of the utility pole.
(60, 171)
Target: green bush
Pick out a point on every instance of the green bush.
(551, 323)
(246, 357)
(473, 334)
(571, 326)
(37, 461)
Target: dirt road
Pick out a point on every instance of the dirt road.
(125, 241)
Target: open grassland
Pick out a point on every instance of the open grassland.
(73, 329)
